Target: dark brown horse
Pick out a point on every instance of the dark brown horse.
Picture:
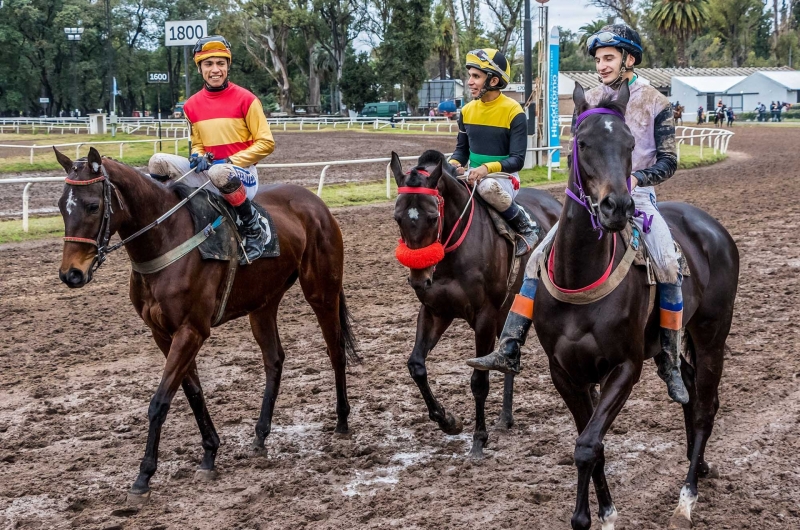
(469, 283)
(605, 342)
(677, 114)
(178, 302)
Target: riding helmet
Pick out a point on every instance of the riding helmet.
(493, 63)
(619, 36)
(211, 46)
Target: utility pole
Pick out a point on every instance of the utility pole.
(186, 71)
(73, 36)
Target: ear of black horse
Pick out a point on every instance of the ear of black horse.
(397, 170)
(623, 96)
(579, 99)
(94, 159)
(435, 175)
(64, 160)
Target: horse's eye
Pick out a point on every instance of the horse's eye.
(581, 145)
(92, 208)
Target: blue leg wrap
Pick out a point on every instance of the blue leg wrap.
(529, 286)
(671, 296)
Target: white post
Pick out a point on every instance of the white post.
(25, 200)
(388, 181)
(78, 151)
(120, 150)
(176, 144)
(32, 154)
(322, 180)
(550, 165)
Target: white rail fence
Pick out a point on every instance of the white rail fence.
(78, 145)
(30, 181)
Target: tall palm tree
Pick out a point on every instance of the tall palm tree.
(443, 39)
(587, 30)
(681, 19)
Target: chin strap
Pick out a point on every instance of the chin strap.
(487, 86)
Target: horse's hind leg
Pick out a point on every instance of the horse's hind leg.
(581, 402)
(479, 384)
(506, 419)
(194, 395)
(429, 330)
(704, 403)
(264, 324)
(186, 342)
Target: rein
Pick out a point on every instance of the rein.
(432, 254)
(104, 234)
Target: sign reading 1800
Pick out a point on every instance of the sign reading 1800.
(184, 32)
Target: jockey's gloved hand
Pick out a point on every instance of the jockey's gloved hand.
(200, 163)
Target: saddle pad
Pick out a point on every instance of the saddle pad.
(223, 244)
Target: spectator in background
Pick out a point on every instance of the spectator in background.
(431, 113)
(700, 115)
(772, 111)
(731, 116)
(759, 112)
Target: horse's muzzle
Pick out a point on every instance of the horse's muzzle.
(615, 211)
(74, 278)
(420, 279)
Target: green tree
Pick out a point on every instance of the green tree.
(681, 19)
(443, 46)
(359, 83)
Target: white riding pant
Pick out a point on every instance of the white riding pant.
(175, 166)
(498, 192)
(659, 240)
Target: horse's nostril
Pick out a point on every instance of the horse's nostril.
(428, 282)
(72, 277)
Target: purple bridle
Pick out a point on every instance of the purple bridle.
(582, 198)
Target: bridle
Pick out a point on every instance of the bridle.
(104, 234)
(420, 190)
(582, 197)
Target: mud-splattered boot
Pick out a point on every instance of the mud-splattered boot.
(253, 231)
(525, 227)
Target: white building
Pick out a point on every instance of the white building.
(706, 92)
(766, 87)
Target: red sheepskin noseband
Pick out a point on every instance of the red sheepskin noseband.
(419, 258)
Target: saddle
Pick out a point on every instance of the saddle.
(502, 227)
(223, 243)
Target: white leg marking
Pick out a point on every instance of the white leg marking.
(413, 213)
(70, 202)
(609, 127)
(609, 518)
(685, 504)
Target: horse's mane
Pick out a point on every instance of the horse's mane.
(431, 157)
(608, 101)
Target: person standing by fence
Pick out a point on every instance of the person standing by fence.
(731, 116)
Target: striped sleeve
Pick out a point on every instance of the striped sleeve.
(263, 143)
(197, 143)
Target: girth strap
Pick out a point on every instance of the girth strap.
(165, 260)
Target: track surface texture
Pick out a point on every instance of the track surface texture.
(289, 148)
(79, 369)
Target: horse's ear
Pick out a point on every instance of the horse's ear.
(64, 160)
(95, 160)
(397, 170)
(436, 174)
(623, 96)
(579, 99)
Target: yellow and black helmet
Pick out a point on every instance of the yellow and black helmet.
(493, 63)
(211, 46)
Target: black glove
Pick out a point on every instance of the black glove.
(200, 163)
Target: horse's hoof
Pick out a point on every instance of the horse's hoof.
(679, 522)
(258, 450)
(205, 475)
(504, 422)
(342, 429)
(137, 500)
(452, 425)
(346, 435)
(476, 453)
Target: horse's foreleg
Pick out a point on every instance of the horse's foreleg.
(479, 384)
(194, 394)
(506, 419)
(589, 453)
(265, 330)
(186, 342)
(429, 331)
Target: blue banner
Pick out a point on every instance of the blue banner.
(552, 92)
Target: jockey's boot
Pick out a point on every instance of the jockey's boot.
(525, 227)
(506, 357)
(669, 360)
(253, 230)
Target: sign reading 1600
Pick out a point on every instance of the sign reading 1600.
(184, 32)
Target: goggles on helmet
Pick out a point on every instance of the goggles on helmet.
(607, 38)
(483, 56)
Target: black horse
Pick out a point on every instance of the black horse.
(605, 342)
(468, 283)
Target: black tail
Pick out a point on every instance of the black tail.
(346, 337)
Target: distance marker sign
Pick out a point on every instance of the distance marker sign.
(158, 77)
(184, 32)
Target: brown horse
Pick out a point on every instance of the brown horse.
(178, 302)
(469, 283)
(606, 341)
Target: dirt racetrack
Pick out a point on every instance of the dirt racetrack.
(289, 148)
(79, 368)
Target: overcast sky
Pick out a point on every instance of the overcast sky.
(570, 14)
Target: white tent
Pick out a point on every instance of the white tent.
(765, 87)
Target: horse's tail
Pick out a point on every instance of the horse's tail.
(346, 337)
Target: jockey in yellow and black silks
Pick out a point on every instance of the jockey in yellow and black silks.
(492, 139)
